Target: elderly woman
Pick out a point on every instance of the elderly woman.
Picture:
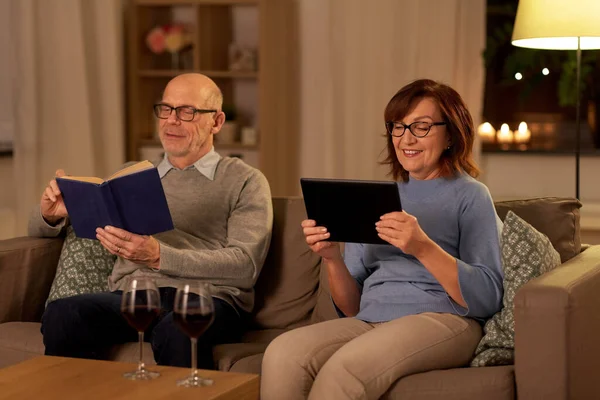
(416, 304)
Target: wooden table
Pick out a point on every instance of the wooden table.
(71, 378)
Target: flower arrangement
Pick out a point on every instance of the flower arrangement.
(169, 37)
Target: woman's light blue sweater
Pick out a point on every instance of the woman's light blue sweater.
(459, 215)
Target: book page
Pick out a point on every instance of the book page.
(89, 179)
(142, 165)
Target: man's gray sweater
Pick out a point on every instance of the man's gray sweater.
(221, 236)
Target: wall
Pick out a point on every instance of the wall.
(352, 62)
(510, 176)
(6, 103)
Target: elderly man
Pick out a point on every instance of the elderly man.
(221, 210)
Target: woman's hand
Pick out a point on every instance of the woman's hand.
(315, 238)
(402, 230)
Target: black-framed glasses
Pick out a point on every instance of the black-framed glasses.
(418, 129)
(184, 113)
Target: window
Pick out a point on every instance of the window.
(538, 87)
(6, 92)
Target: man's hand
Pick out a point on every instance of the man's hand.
(138, 249)
(403, 231)
(52, 204)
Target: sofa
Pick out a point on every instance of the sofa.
(557, 317)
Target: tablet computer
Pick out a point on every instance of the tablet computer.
(349, 209)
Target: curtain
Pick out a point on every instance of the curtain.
(68, 93)
(355, 55)
(6, 111)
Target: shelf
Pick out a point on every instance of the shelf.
(171, 73)
(514, 148)
(236, 146)
(193, 2)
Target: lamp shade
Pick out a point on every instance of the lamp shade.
(556, 24)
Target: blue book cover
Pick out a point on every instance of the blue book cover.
(132, 199)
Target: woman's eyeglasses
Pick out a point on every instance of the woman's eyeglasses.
(418, 129)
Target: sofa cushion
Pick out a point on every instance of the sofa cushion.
(20, 341)
(262, 336)
(492, 383)
(83, 267)
(526, 254)
(130, 352)
(288, 282)
(249, 365)
(324, 309)
(226, 355)
(555, 217)
(22, 336)
(27, 268)
(252, 343)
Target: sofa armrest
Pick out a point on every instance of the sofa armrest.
(557, 320)
(27, 269)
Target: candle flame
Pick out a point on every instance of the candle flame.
(522, 127)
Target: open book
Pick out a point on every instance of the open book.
(132, 199)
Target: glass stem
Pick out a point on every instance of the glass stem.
(141, 340)
(194, 358)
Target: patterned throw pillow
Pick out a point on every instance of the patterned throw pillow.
(526, 254)
(83, 267)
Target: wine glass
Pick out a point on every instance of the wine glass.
(193, 312)
(140, 305)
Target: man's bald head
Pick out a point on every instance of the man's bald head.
(203, 90)
(187, 140)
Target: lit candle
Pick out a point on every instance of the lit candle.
(486, 132)
(505, 135)
(523, 134)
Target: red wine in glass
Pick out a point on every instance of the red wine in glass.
(140, 304)
(193, 325)
(193, 312)
(140, 316)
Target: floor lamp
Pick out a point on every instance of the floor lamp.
(560, 25)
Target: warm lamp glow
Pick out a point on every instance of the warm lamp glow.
(556, 24)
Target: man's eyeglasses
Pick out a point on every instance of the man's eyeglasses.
(418, 129)
(184, 113)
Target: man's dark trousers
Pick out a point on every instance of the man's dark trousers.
(87, 325)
